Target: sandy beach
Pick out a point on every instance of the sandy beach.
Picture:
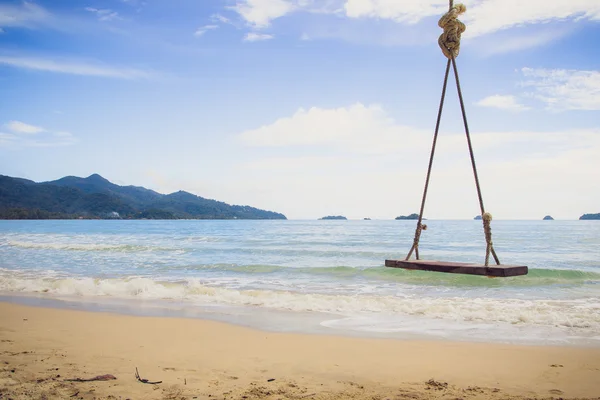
(41, 348)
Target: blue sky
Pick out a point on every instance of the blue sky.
(307, 107)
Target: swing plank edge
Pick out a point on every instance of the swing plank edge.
(502, 271)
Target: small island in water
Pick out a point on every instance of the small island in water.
(411, 217)
(548, 218)
(334, 217)
(478, 218)
(590, 217)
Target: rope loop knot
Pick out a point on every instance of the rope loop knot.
(449, 41)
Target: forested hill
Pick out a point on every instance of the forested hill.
(96, 197)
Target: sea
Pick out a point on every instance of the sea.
(315, 277)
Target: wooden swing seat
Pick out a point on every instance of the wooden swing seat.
(501, 271)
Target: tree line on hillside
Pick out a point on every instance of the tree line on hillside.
(95, 197)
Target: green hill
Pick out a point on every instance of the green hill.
(96, 197)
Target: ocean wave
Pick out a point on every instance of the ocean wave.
(535, 277)
(116, 247)
(582, 314)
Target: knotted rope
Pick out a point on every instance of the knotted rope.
(415, 247)
(449, 41)
(487, 229)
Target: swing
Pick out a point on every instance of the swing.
(449, 42)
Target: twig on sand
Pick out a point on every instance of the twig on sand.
(75, 394)
(137, 376)
(107, 377)
(307, 395)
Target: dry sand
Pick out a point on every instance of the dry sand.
(40, 348)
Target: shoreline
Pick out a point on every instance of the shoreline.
(195, 358)
(295, 322)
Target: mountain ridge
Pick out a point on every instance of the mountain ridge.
(96, 197)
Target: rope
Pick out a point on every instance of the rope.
(487, 219)
(415, 246)
(449, 42)
(489, 247)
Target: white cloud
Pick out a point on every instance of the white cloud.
(50, 142)
(503, 102)
(260, 13)
(6, 138)
(483, 16)
(26, 135)
(104, 14)
(494, 15)
(25, 14)
(375, 167)
(203, 29)
(502, 45)
(409, 11)
(359, 128)
(21, 127)
(74, 67)
(255, 37)
(563, 89)
(220, 18)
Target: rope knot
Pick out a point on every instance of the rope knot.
(487, 227)
(449, 41)
(420, 228)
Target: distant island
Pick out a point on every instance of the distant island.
(94, 197)
(334, 217)
(548, 218)
(411, 216)
(366, 219)
(478, 218)
(590, 216)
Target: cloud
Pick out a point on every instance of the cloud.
(7, 138)
(501, 45)
(259, 13)
(494, 15)
(358, 161)
(409, 11)
(563, 89)
(220, 18)
(203, 29)
(74, 67)
(26, 135)
(368, 130)
(104, 14)
(25, 14)
(255, 37)
(482, 17)
(359, 128)
(503, 102)
(21, 127)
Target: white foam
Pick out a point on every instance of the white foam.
(66, 246)
(582, 315)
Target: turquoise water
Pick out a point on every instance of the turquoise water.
(329, 273)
